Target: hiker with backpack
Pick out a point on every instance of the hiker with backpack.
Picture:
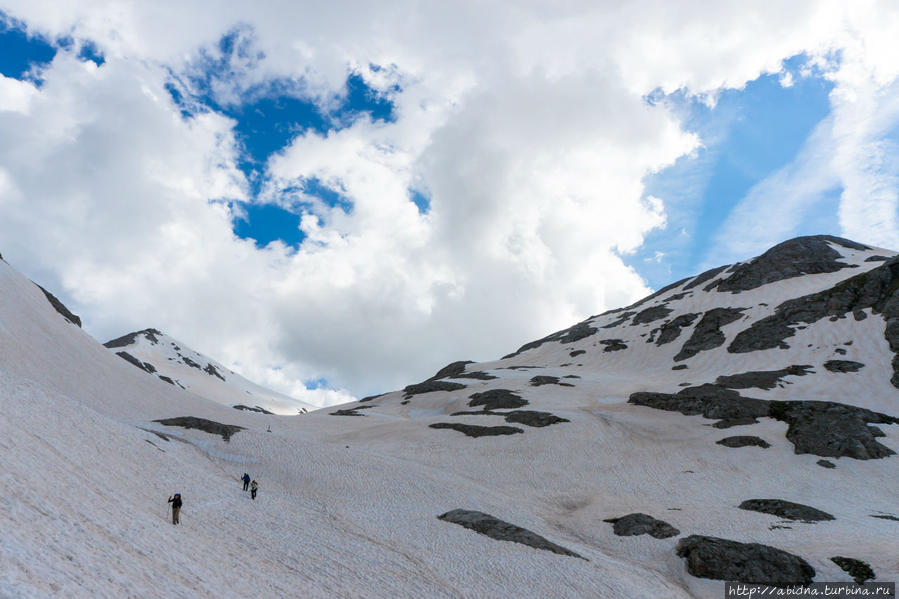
(253, 487)
(246, 481)
(175, 500)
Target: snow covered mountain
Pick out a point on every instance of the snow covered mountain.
(173, 362)
(740, 424)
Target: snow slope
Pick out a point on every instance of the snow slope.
(173, 362)
(348, 504)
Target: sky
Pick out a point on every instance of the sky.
(337, 200)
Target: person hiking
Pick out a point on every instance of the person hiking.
(254, 486)
(175, 500)
(246, 481)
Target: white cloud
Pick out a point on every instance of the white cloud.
(526, 126)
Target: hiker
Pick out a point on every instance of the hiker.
(246, 481)
(253, 487)
(175, 500)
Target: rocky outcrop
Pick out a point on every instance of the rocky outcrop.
(579, 331)
(670, 331)
(785, 509)
(613, 345)
(61, 308)
(497, 399)
(707, 333)
(251, 409)
(706, 276)
(537, 381)
(473, 430)
(131, 338)
(642, 524)
(762, 379)
(843, 366)
(744, 441)
(495, 528)
(209, 426)
(859, 571)
(651, 314)
(722, 559)
(145, 366)
(526, 417)
(793, 258)
(431, 386)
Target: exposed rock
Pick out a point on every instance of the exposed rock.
(679, 367)
(60, 307)
(857, 315)
(145, 366)
(613, 345)
(571, 376)
(371, 397)
(497, 399)
(211, 370)
(744, 441)
(579, 331)
(658, 293)
(876, 259)
(793, 258)
(706, 276)
(621, 320)
(430, 386)
(167, 379)
(476, 374)
(642, 524)
(548, 380)
(473, 430)
(822, 428)
(449, 370)
(840, 351)
(826, 464)
(209, 426)
(576, 353)
(495, 528)
(885, 517)
(670, 331)
(191, 363)
(533, 418)
(130, 338)
(762, 379)
(785, 509)
(707, 333)
(251, 409)
(859, 571)
(843, 366)
(350, 411)
(651, 314)
(722, 559)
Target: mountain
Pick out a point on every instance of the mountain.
(740, 424)
(173, 362)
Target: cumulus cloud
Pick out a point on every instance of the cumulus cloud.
(525, 127)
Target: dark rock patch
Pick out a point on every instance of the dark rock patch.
(473, 430)
(706, 276)
(497, 399)
(60, 307)
(571, 376)
(885, 517)
(785, 509)
(430, 386)
(762, 379)
(651, 314)
(453, 369)
(642, 524)
(670, 331)
(857, 315)
(476, 374)
(679, 367)
(371, 397)
(843, 366)
(145, 366)
(212, 371)
(744, 441)
(209, 426)
(677, 296)
(130, 338)
(822, 428)
(575, 333)
(876, 259)
(613, 345)
(191, 363)
(533, 418)
(826, 464)
(495, 528)
(658, 293)
(166, 379)
(859, 571)
(840, 351)
(548, 380)
(722, 559)
(576, 353)
(793, 258)
(707, 333)
(251, 409)
(350, 411)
